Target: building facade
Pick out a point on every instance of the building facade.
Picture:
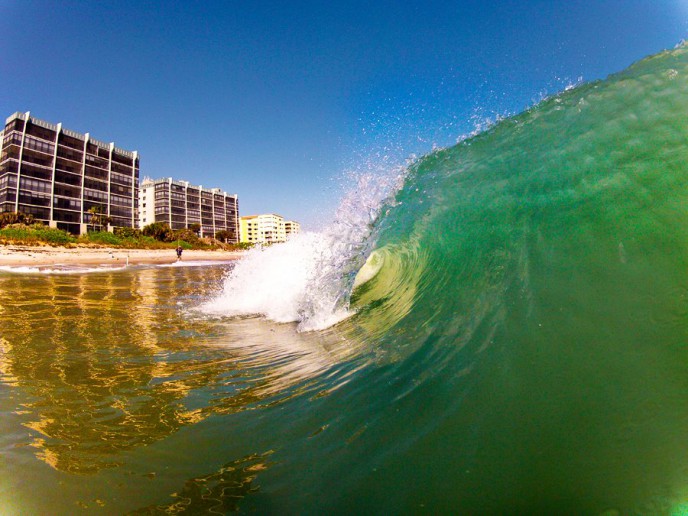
(291, 228)
(58, 175)
(267, 228)
(180, 204)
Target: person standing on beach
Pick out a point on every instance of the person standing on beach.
(179, 252)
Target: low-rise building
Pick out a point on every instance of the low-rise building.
(181, 204)
(266, 228)
(291, 228)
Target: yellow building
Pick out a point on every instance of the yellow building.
(266, 228)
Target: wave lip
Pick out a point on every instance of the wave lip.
(279, 283)
(309, 278)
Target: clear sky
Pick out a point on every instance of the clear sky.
(277, 101)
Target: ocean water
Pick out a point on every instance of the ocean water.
(500, 328)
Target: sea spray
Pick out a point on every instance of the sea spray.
(309, 278)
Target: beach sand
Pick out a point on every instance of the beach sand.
(21, 255)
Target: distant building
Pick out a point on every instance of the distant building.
(58, 175)
(267, 228)
(181, 204)
(291, 228)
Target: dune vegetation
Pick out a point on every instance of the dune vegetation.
(21, 229)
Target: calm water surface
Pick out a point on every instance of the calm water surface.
(116, 396)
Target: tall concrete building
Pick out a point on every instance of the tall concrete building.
(267, 228)
(180, 204)
(58, 175)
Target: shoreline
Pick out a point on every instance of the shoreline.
(37, 256)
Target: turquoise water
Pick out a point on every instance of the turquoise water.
(517, 344)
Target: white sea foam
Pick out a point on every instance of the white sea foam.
(82, 269)
(308, 278)
(195, 263)
(58, 269)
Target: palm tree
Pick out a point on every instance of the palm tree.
(158, 230)
(98, 218)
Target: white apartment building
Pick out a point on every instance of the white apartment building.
(181, 204)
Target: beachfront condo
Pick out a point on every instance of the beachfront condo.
(291, 227)
(64, 178)
(182, 205)
(267, 228)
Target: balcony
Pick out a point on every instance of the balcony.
(71, 192)
(35, 199)
(70, 154)
(67, 204)
(64, 177)
(37, 171)
(68, 166)
(37, 158)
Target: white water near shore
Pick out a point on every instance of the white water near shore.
(308, 279)
(19, 258)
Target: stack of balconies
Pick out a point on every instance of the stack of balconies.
(58, 175)
(181, 205)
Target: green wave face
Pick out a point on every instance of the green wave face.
(570, 218)
(531, 286)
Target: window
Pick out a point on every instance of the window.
(35, 171)
(36, 198)
(41, 132)
(15, 125)
(31, 156)
(12, 138)
(95, 195)
(67, 153)
(67, 204)
(35, 185)
(68, 166)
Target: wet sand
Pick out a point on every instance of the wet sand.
(21, 255)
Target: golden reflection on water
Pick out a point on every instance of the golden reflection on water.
(108, 362)
(216, 493)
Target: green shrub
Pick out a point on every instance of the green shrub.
(14, 217)
(37, 233)
(223, 235)
(160, 231)
(151, 242)
(102, 237)
(19, 234)
(165, 238)
(130, 233)
(54, 236)
(187, 235)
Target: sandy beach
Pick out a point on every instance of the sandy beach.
(21, 255)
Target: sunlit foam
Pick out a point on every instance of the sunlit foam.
(195, 263)
(58, 269)
(308, 279)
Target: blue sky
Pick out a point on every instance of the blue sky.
(277, 101)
